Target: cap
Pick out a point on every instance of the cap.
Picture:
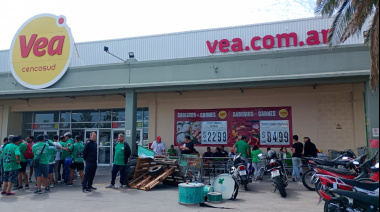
(158, 138)
(67, 134)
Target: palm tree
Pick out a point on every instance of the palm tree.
(350, 16)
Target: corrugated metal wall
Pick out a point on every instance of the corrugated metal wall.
(190, 44)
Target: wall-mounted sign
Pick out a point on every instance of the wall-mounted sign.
(375, 132)
(268, 126)
(41, 51)
(257, 43)
(45, 126)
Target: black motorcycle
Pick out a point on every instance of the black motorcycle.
(239, 171)
(277, 169)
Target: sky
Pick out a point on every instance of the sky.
(93, 20)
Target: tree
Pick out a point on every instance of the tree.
(350, 16)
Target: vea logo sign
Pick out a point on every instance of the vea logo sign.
(41, 51)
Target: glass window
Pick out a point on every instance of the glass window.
(46, 117)
(145, 133)
(139, 115)
(85, 116)
(28, 117)
(65, 116)
(146, 117)
(106, 115)
(84, 125)
(118, 115)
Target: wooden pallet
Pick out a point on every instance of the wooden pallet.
(172, 174)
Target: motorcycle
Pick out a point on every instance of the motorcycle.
(277, 169)
(239, 171)
(343, 161)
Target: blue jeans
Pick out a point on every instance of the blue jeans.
(296, 167)
(115, 170)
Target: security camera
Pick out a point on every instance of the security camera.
(106, 48)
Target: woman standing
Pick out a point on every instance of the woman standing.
(255, 161)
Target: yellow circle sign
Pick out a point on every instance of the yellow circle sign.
(283, 113)
(41, 51)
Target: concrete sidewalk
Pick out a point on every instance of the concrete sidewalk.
(260, 197)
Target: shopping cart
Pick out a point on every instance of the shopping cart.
(191, 165)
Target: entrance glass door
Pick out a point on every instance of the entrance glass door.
(104, 147)
(139, 137)
(50, 133)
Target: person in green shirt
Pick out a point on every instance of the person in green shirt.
(76, 150)
(255, 161)
(52, 151)
(172, 151)
(69, 139)
(11, 162)
(24, 162)
(241, 147)
(286, 156)
(42, 170)
(122, 153)
(65, 154)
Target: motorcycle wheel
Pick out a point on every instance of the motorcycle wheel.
(332, 206)
(280, 186)
(306, 180)
(245, 182)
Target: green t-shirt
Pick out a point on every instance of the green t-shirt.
(242, 147)
(119, 154)
(255, 155)
(77, 152)
(9, 157)
(52, 151)
(37, 148)
(65, 153)
(172, 152)
(70, 141)
(23, 146)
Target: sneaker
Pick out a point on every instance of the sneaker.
(38, 192)
(293, 179)
(110, 186)
(47, 190)
(51, 186)
(93, 188)
(10, 194)
(30, 180)
(69, 184)
(120, 186)
(42, 186)
(27, 186)
(3, 193)
(20, 187)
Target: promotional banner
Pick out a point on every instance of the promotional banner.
(264, 126)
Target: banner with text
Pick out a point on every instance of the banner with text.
(265, 126)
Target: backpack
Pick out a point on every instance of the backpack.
(29, 152)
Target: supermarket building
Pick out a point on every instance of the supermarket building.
(209, 84)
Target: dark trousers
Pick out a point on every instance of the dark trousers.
(2, 171)
(89, 174)
(62, 163)
(115, 170)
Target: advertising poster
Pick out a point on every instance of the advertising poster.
(264, 126)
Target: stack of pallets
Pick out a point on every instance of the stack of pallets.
(171, 174)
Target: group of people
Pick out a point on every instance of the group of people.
(46, 159)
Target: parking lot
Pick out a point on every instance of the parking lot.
(162, 198)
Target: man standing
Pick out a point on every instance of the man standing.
(57, 165)
(310, 150)
(188, 146)
(76, 150)
(158, 147)
(52, 151)
(69, 139)
(224, 151)
(122, 154)
(90, 155)
(296, 158)
(65, 154)
(24, 162)
(11, 162)
(30, 141)
(241, 147)
(42, 170)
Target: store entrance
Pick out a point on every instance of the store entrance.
(50, 133)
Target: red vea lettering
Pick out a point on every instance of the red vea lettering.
(253, 43)
(313, 38)
(25, 49)
(223, 45)
(213, 47)
(237, 46)
(58, 49)
(41, 43)
(265, 42)
(325, 34)
(287, 37)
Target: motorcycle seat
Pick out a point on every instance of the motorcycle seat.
(363, 185)
(339, 171)
(373, 200)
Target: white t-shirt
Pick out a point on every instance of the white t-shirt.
(158, 148)
(58, 154)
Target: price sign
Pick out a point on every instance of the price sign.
(214, 132)
(274, 132)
